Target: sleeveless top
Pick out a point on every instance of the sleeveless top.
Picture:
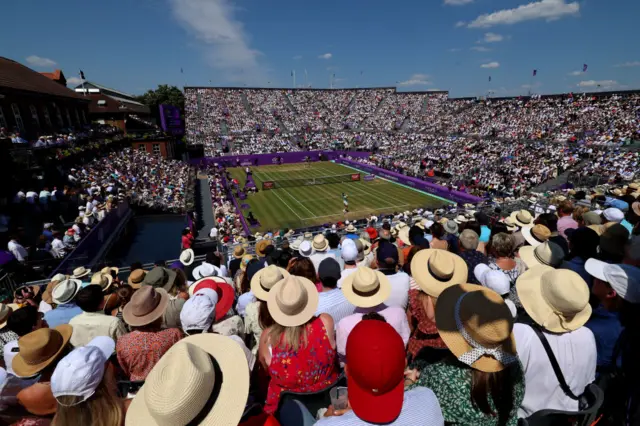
(425, 332)
(309, 369)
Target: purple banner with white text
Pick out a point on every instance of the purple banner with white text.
(278, 158)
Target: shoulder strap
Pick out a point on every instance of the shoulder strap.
(554, 364)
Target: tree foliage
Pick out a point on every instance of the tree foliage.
(164, 94)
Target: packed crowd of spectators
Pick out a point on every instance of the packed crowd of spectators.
(419, 318)
(227, 219)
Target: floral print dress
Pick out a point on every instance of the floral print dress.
(309, 369)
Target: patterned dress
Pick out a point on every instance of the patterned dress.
(451, 382)
(425, 332)
(308, 369)
(139, 351)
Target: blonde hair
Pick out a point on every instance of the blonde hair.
(292, 338)
(103, 408)
(578, 212)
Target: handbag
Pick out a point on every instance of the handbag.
(583, 403)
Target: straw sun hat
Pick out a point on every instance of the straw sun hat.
(522, 218)
(147, 305)
(39, 349)
(477, 327)
(536, 235)
(366, 287)
(210, 374)
(434, 270)
(320, 243)
(292, 301)
(187, 257)
(556, 299)
(264, 280)
(547, 253)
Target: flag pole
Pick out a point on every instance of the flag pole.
(81, 74)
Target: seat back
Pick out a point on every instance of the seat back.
(313, 401)
(594, 398)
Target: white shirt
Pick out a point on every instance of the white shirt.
(576, 354)
(88, 325)
(213, 233)
(318, 257)
(16, 249)
(334, 303)
(344, 274)
(57, 247)
(399, 290)
(420, 406)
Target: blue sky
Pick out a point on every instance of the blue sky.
(454, 45)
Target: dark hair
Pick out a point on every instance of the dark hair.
(90, 298)
(407, 262)
(498, 228)
(437, 230)
(284, 258)
(373, 316)
(334, 240)
(474, 226)
(549, 220)
(414, 232)
(21, 321)
(245, 282)
(264, 316)
(213, 258)
(499, 386)
(124, 294)
(303, 267)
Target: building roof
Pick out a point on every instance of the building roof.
(90, 84)
(14, 75)
(114, 105)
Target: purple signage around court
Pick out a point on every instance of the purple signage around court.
(269, 159)
(431, 188)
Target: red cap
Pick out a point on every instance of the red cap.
(373, 234)
(375, 371)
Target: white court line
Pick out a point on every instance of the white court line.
(294, 198)
(358, 211)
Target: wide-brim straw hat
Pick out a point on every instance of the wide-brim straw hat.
(320, 243)
(547, 253)
(239, 252)
(434, 270)
(536, 235)
(245, 260)
(351, 228)
(80, 272)
(265, 279)
(295, 244)
(403, 235)
(261, 247)
(198, 369)
(187, 257)
(38, 349)
(484, 316)
(103, 280)
(555, 299)
(110, 270)
(293, 301)
(522, 218)
(366, 288)
(136, 277)
(147, 305)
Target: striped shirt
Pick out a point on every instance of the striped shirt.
(419, 407)
(334, 303)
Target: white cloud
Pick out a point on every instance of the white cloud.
(225, 41)
(628, 64)
(481, 49)
(575, 73)
(455, 49)
(326, 56)
(604, 84)
(74, 81)
(543, 9)
(297, 57)
(491, 65)
(457, 2)
(492, 38)
(460, 24)
(416, 80)
(38, 61)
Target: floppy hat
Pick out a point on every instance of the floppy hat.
(245, 260)
(38, 349)
(320, 243)
(308, 236)
(624, 279)
(434, 270)
(492, 279)
(204, 270)
(209, 372)
(238, 252)
(5, 311)
(81, 371)
(522, 218)
(80, 272)
(199, 312)
(536, 235)
(261, 246)
(225, 293)
(477, 327)
(351, 228)
(65, 291)
(160, 277)
(305, 249)
(292, 301)
(556, 299)
(451, 227)
(187, 257)
(613, 214)
(147, 305)
(136, 277)
(264, 280)
(103, 280)
(366, 287)
(403, 235)
(376, 359)
(547, 253)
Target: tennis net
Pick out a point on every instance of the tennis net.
(320, 180)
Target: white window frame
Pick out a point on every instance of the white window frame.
(154, 147)
(17, 116)
(34, 114)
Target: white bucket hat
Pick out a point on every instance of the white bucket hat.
(305, 249)
(65, 291)
(204, 270)
(187, 257)
(522, 218)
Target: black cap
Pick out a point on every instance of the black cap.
(329, 268)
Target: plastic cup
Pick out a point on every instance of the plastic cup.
(339, 398)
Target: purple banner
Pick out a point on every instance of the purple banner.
(369, 177)
(457, 196)
(286, 157)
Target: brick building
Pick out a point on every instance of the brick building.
(35, 104)
(157, 146)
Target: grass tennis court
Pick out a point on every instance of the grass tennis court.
(302, 206)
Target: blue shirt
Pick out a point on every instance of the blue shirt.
(485, 234)
(334, 303)
(62, 314)
(606, 329)
(627, 225)
(48, 234)
(352, 236)
(618, 204)
(577, 265)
